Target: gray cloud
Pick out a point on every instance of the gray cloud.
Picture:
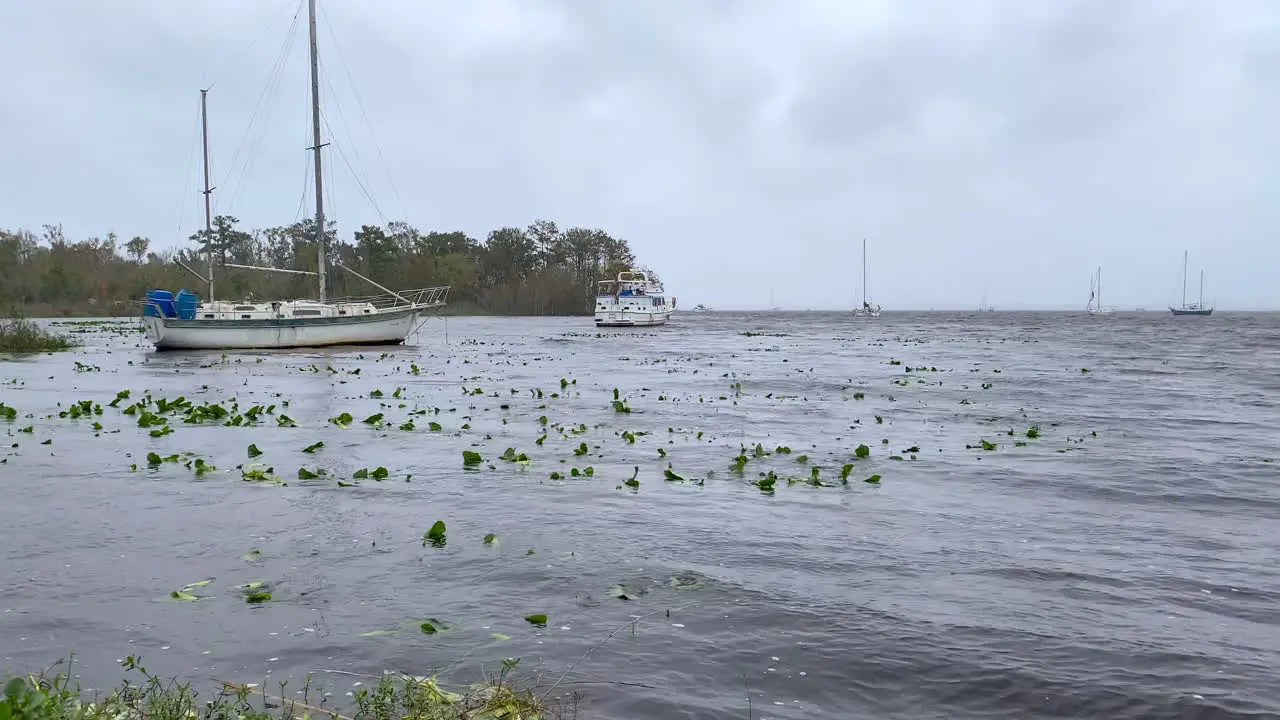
(740, 146)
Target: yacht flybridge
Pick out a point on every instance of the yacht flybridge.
(183, 322)
(635, 298)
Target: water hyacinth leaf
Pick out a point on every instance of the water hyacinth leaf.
(342, 420)
(255, 598)
(185, 596)
(499, 636)
(537, 619)
(313, 447)
(988, 445)
(154, 459)
(633, 481)
(874, 480)
(685, 582)
(380, 473)
(253, 555)
(360, 474)
(667, 474)
(431, 626)
(305, 474)
(373, 419)
(619, 592)
(253, 451)
(1033, 432)
(844, 472)
(436, 535)
(862, 451)
(470, 457)
(435, 427)
(490, 539)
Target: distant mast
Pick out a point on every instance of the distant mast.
(316, 145)
(208, 191)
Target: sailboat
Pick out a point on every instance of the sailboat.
(1095, 306)
(869, 308)
(984, 307)
(1196, 308)
(183, 322)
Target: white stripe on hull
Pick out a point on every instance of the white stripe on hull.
(631, 319)
(381, 329)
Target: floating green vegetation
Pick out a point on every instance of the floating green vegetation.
(431, 626)
(19, 335)
(7, 413)
(258, 472)
(1033, 432)
(619, 404)
(766, 482)
(471, 458)
(186, 594)
(379, 473)
(436, 535)
(253, 451)
(512, 456)
(633, 481)
(874, 480)
(373, 419)
(343, 420)
(536, 619)
(490, 539)
(305, 474)
(862, 451)
(582, 449)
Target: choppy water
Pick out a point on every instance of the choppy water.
(1121, 564)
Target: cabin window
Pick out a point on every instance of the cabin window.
(241, 308)
(307, 313)
(366, 312)
(245, 317)
(208, 316)
(342, 312)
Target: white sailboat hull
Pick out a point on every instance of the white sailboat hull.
(389, 327)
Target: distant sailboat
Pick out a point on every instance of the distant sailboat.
(869, 308)
(1095, 306)
(984, 307)
(1196, 308)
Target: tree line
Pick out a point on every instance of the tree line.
(538, 270)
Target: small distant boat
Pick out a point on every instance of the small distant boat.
(701, 308)
(869, 308)
(635, 298)
(1196, 308)
(984, 307)
(1095, 306)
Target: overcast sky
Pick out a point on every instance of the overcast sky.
(740, 146)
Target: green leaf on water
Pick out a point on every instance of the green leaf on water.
(436, 535)
(1033, 432)
(431, 626)
(879, 420)
(254, 451)
(802, 459)
(153, 459)
(380, 473)
(499, 636)
(342, 420)
(633, 481)
(862, 451)
(313, 447)
(257, 597)
(373, 419)
(581, 449)
(539, 620)
(253, 555)
(435, 427)
(988, 445)
(874, 480)
(470, 457)
(766, 483)
(361, 474)
(490, 539)
(305, 474)
(844, 473)
(180, 595)
(667, 474)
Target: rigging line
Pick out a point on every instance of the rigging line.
(256, 127)
(362, 183)
(342, 60)
(306, 185)
(186, 185)
(355, 150)
(367, 195)
(244, 50)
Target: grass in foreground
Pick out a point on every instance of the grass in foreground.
(19, 335)
(51, 695)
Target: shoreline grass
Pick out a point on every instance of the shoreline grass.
(51, 694)
(19, 335)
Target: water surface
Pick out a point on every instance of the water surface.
(1120, 564)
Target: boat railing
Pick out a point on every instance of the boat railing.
(421, 297)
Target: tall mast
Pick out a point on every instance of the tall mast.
(208, 191)
(315, 138)
(864, 272)
(1184, 278)
(1201, 302)
(1099, 287)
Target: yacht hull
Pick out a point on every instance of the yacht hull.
(632, 319)
(1201, 313)
(384, 328)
